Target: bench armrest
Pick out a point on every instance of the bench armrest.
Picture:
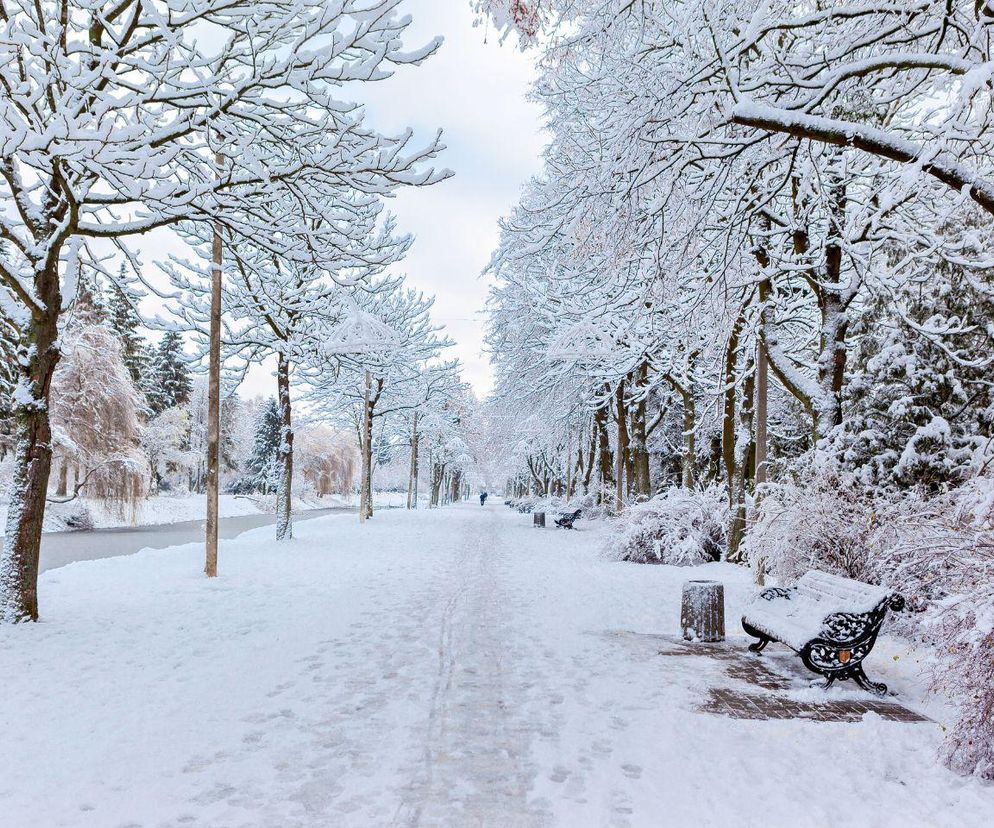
(774, 593)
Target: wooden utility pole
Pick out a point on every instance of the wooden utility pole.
(214, 402)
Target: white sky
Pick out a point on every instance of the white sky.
(474, 89)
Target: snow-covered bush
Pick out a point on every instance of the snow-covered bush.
(681, 526)
(940, 554)
(823, 522)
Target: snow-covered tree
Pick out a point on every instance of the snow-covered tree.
(96, 419)
(124, 321)
(262, 465)
(324, 460)
(164, 439)
(172, 384)
(373, 365)
(203, 110)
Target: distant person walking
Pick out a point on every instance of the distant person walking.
(483, 498)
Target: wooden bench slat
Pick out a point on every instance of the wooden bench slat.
(830, 621)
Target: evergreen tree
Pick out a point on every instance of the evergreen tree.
(918, 408)
(262, 464)
(172, 384)
(124, 321)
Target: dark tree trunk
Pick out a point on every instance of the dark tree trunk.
(622, 447)
(742, 466)
(640, 443)
(605, 460)
(728, 412)
(38, 356)
(284, 455)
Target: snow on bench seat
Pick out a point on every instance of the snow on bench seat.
(831, 622)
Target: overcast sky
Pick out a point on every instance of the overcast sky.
(474, 89)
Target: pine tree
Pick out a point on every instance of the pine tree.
(172, 385)
(124, 321)
(919, 409)
(262, 463)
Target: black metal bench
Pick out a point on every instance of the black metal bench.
(830, 622)
(566, 521)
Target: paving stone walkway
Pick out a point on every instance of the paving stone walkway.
(766, 696)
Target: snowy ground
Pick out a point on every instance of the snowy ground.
(447, 668)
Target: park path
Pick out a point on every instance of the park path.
(446, 668)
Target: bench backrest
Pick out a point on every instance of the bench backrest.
(840, 594)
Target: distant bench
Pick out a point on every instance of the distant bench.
(566, 521)
(830, 622)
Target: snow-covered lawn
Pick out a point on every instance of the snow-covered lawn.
(447, 668)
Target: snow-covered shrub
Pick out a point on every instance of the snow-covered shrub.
(681, 526)
(823, 522)
(80, 518)
(940, 554)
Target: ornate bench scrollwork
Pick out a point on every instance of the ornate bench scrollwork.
(832, 623)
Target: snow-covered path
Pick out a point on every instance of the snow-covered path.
(452, 668)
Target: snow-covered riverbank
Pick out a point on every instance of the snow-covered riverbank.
(165, 509)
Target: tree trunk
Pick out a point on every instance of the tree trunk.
(63, 488)
(588, 471)
(640, 442)
(743, 447)
(369, 473)
(284, 457)
(762, 398)
(834, 319)
(437, 478)
(689, 439)
(367, 437)
(214, 407)
(412, 484)
(622, 447)
(605, 459)
(728, 412)
(688, 458)
(38, 356)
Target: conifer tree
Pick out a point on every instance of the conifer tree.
(262, 464)
(124, 321)
(172, 384)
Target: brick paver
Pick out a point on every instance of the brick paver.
(767, 699)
